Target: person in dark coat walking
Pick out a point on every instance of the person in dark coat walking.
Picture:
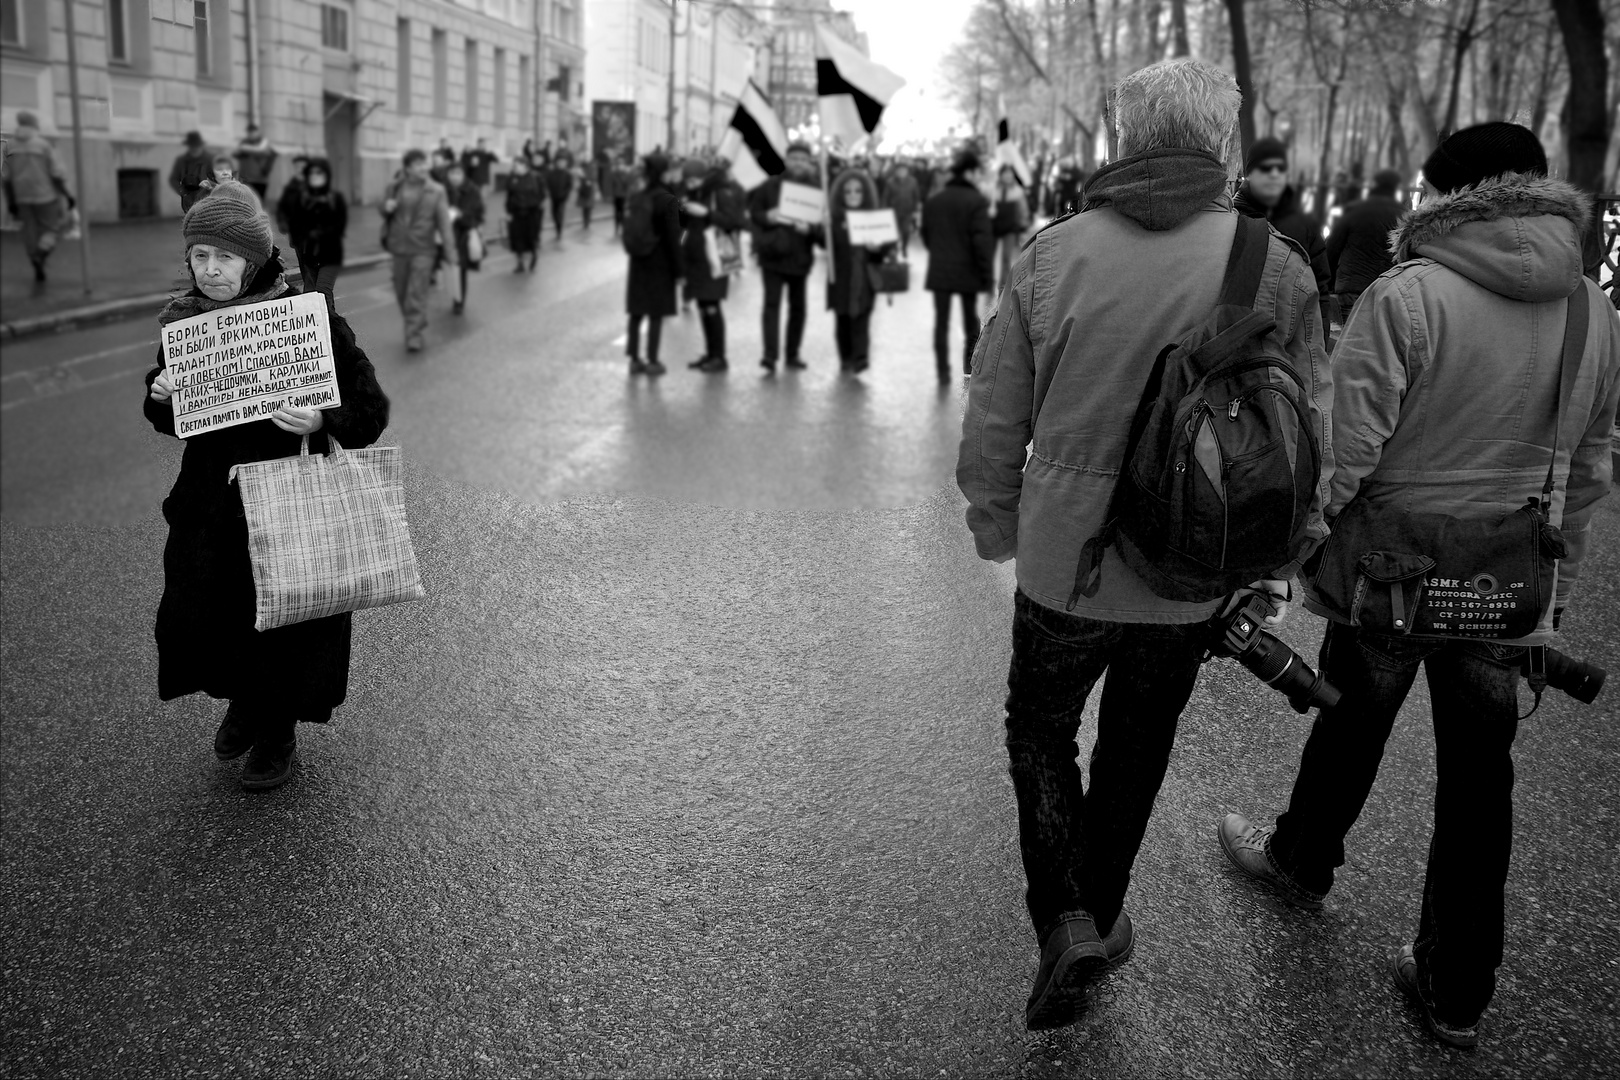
(193, 166)
(525, 206)
(621, 179)
(961, 256)
(1266, 193)
(466, 214)
(1358, 244)
(205, 637)
(320, 217)
(903, 195)
(476, 162)
(559, 184)
(650, 291)
(850, 296)
(785, 250)
(709, 208)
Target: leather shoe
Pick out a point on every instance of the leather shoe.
(235, 735)
(1071, 958)
(1249, 849)
(269, 765)
(1406, 978)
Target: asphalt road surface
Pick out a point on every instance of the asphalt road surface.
(689, 764)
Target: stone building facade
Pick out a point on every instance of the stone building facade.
(792, 81)
(357, 80)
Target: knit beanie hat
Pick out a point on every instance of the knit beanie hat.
(694, 167)
(1264, 150)
(1482, 151)
(230, 218)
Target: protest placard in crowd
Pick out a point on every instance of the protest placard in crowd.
(240, 364)
(801, 203)
(873, 227)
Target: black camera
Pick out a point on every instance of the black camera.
(1544, 666)
(1237, 632)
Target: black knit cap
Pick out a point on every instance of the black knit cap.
(1264, 150)
(1482, 151)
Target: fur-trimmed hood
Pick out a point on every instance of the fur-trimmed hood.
(1516, 234)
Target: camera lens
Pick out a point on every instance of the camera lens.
(1578, 679)
(1274, 663)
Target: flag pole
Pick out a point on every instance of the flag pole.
(826, 213)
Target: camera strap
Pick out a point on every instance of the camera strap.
(1569, 366)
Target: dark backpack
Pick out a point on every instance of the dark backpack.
(640, 234)
(1222, 463)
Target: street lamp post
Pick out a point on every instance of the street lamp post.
(669, 146)
(78, 145)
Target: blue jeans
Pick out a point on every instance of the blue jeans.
(1474, 690)
(1078, 845)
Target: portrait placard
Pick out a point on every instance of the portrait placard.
(236, 365)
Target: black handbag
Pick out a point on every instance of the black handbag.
(1442, 576)
(890, 276)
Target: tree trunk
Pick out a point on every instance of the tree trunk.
(1585, 115)
(1241, 64)
(1178, 28)
(1465, 38)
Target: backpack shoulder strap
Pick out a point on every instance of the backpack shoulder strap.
(1569, 365)
(1246, 263)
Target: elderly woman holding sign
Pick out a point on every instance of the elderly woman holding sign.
(205, 622)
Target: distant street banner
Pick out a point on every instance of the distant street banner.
(613, 129)
(801, 202)
(873, 228)
(240, 364)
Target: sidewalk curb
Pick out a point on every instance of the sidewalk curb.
(123, 307)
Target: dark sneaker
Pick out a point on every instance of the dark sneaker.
(235, 735)
(699, 362)
(769, 365)
(712, 365)
(268, 766)
(1406, 977)
(796, 364)
(637, 367)
(1249, 849)
(1072, 954)
(655, 368)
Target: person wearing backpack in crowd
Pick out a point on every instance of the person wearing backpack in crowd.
(525, 206)
(255, 157)
(850, 296)
(1062, 367)
(1010, 223)
(205, 635)
(36, 191)
(466, 217)
(652, 239)
(191, 168)
(1358, 244)
(416, 213)
(1445, 382)
(902, 195)
(559, 185)
(1266, 193)
(706, 209)
(321, 214)
(785, 249)
(961, 257)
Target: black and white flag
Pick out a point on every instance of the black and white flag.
(853, 90)
(755, 143)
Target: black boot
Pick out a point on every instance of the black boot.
(269, 763)
(236, 733)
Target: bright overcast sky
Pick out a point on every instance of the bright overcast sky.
(910, 38)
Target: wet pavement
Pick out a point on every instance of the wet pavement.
(689, 764)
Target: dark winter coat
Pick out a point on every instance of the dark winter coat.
(961, 247)
(205, 636)
(468, 201)
(525, 202)
(1358, 245)
(559, 183)
(849, 292)
(1303, 229)
(651, 288)
(903, 194)
(475, 163)
(318, 218)
(725, 214)
(781, 249)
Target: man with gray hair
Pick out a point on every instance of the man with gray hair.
(1060, 369)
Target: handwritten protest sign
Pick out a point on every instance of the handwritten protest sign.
(873, 227)
(801, 202)
(240, 364)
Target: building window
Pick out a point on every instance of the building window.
(205, 58)
(524, 92)
(472, 81)
(441, 74)
(562, 20)
(11, 22)
(334, 28)
(564, 78)
(402, 67)
(500, 87)
(117, 32)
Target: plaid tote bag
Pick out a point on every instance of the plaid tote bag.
(327, 533)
